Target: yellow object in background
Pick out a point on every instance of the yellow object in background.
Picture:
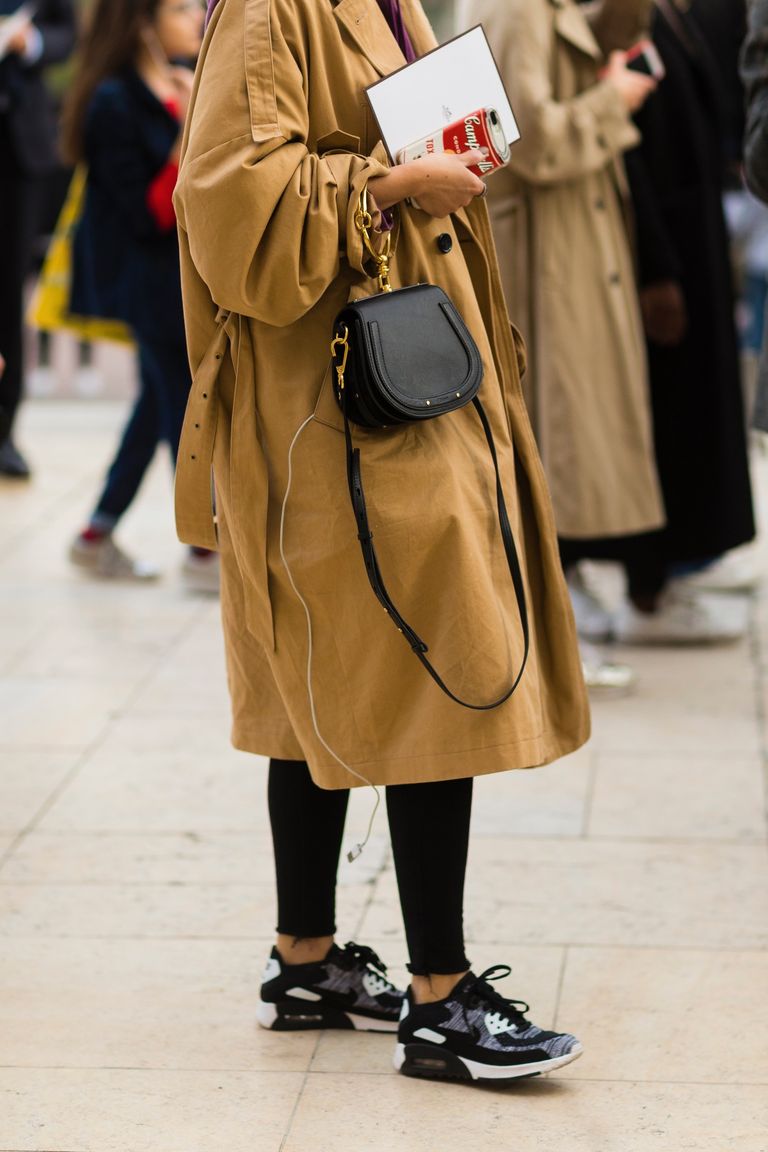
(49, 308)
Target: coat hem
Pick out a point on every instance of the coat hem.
(524, 754)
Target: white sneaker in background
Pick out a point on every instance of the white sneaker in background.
(736, 571)
(683, 616)
(103, 558)
(604, 677)
(593, 620)
(200, 573)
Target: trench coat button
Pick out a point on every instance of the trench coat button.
(445, 243)
(601, 140)
(615, 278)
(600, 204)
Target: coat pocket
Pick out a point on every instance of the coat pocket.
(338, 141)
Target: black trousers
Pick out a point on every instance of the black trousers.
(429, 826)
(643, 557)
(19, 208)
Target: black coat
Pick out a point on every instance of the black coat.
(125, 266)
(24, 100)
(675, 177)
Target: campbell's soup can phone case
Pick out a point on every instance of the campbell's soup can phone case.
(480, 129)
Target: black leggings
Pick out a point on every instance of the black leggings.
(429, 826)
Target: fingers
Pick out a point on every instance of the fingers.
(473, 156)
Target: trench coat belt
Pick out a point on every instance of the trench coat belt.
(195, 498)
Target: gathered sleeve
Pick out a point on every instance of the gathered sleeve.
(269, 222)
(561, 140)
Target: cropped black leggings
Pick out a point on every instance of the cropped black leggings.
(429, 827)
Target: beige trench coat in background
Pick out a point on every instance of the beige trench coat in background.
(279, 144)
(559, 213)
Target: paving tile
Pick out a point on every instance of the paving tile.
(136, 1111)
(667, 1015)
(140, 858)
(148, 775)
(695, 796)
(111, 649)
(27, 780)
(535, 978)
(184, 1004)
(549, 801)
(605, 892)
(704, 723)
(56, 712)
(151, 911)
(395, 1114)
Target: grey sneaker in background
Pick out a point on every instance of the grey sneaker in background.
(104, 559)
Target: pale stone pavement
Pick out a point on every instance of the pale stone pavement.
(626, 886)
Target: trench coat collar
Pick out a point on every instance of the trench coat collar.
(571, 24)
(365, 23)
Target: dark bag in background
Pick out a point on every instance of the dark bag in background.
(400, 357)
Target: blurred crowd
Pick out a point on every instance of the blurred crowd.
(632, 240)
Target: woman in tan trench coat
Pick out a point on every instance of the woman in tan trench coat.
(280, 144)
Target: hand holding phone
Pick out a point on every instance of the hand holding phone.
(633, 86)
(644, 57)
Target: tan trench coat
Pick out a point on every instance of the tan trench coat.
(559, 217)
(279, 144)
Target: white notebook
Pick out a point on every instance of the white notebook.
(444, 86)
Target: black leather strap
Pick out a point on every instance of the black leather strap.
(365, 536)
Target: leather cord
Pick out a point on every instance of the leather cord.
(365, 536)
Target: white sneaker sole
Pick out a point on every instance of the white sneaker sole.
(430, 1062)
(274, 1018)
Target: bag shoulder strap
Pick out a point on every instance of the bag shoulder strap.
(373, 571)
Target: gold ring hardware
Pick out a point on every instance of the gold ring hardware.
(364, 223)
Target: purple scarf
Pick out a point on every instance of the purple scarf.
(392, 15)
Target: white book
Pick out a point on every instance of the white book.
(434, 91)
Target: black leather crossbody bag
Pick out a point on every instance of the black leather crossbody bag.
(403, 356)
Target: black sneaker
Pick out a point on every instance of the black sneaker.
(348, 989)
(476, 1034)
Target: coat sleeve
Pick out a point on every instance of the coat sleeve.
(269, 222)
(560, 140)
(754, 70)
(58, 28)
(618, 24)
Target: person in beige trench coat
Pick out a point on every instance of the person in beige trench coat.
(559, 214)
(279, 146)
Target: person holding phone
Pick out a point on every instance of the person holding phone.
(40, 34)
(560, 212)
(124, 118)
(279, 150)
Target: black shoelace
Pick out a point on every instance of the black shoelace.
(480, 992)
(353, 955)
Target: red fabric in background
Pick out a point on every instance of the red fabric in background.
(160, 191)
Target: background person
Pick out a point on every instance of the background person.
(27, 155)
(687, 299)
(754, 70)
(124, 118)
(276, 160)
(560, 213)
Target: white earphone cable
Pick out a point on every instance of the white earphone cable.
(358, 848)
